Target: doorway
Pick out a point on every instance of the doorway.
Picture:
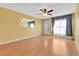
(46, 27)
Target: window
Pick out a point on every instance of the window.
(31, 24)
(60, 27)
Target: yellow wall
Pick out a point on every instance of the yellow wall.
(10, 28)
(73, 25)
(77, 27)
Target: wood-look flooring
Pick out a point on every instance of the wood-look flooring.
(40, 46)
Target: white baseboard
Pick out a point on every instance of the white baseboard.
(20, 38)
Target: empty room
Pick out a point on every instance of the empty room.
(39, 29)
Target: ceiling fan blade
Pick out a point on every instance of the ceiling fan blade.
(41, 10)
(49, 14)
(50, 10)
(45, 11)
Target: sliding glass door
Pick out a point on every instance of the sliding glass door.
(60, 27)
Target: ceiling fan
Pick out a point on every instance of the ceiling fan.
(45, 12)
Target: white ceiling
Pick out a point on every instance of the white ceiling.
(33, 8)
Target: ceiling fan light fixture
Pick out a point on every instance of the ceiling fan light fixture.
(45, 14)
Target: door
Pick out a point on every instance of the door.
(46, 27)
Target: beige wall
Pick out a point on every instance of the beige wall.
(10, 27)
(77, 27)
(73, 26)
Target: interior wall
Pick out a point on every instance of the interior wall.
(10, 28)
(77, 27)
(73, 26)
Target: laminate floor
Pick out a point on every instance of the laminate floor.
(40, 46)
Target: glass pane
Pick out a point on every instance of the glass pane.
(31, 25)
(60, 27)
